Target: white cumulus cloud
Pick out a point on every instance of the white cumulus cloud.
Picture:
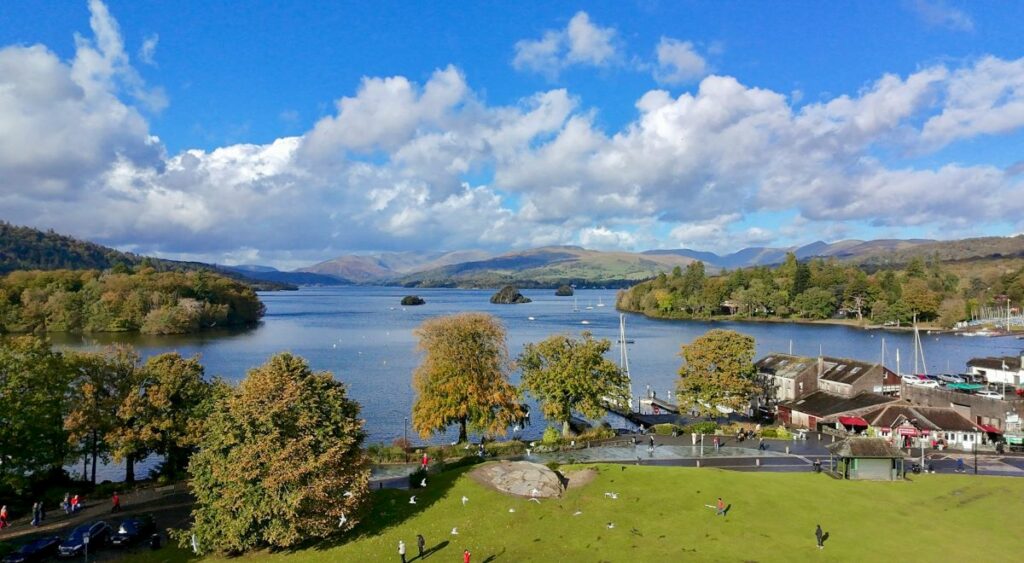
(678, 62)
(582, 42)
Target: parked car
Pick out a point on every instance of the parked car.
(35, 550)
(921, 381)
(74, 545)
(132, 530)
(950, 378)
(988, 394)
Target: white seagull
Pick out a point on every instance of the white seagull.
(465, 499)
(455, 531)
(423, 483)
(611, 525)
(511, 510)
(412, 500)
(347, 494)
(534, 492)
(536, 500)
(577, 513)
(527, 452)
(612, 495)
(342, 520)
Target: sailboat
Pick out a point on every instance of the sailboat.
(624, 357)
(575, 305)
(599, 303)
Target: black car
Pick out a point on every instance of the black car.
(99, 533)
(35, 550)
(132, 530)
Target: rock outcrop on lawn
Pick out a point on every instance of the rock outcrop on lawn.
(520, 478)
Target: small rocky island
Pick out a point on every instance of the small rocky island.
(509, 295)
(564, 291)
(412, 300)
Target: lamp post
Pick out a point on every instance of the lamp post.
(975, 457)
(405, 444)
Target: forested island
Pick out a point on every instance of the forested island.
(820, 289)
(120, 300)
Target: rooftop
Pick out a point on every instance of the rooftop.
(842, 370)
(864, 447)
(822, 404)
(1012, 363)
(784, 365)
(928, 418)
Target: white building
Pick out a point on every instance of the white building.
(1005, 369)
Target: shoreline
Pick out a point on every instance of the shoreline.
(931, 328)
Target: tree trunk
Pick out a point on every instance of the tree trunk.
(95, 454)
(85, 466)
(566, 429)
(129, 469)
(463, 435)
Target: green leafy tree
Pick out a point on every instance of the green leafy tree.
(815, 303)
(102, 382)
(718, 369)
(463, 377)
(276, 461)
(567, 375)
(166, 415)
(33, 394)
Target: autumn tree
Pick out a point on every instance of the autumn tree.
(463, 377)
(567, 375)
(101, 383)
(33, 390)
(718, 369)
(165, 416)
(277, 460)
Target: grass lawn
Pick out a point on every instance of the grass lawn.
(660, 514)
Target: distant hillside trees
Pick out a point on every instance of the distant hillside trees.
(147, 301)
(822, 289)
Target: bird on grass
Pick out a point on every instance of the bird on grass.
(577, 513)
(511, 510)
(536, 500)
(412, 500)
(611, 525)
(455, 531)
(465, 499)
(613, 496)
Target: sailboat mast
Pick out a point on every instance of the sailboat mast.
(624, 356)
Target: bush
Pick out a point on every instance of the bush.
(706, 427)
(511, 447)
(553, 465)
(592, 434)
(779, 432)
(666, 429)
(551, 436)
(466, 461)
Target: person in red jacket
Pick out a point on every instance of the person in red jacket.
(116, 503)
(3, 517)
(425, 461)
(465, 556)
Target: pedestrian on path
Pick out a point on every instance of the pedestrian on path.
(3, 517)
(959, 465)
(465, 556)
(36, 518)
(424, 461)
(75, 504)
(818, 534)
(401, 550)
(652, 441)
(116, 503)
(66, 504)
(420, 543)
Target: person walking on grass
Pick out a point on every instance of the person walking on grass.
(465, 556)
(720, 507)
(818, 534)
(420, 544)
(401, 550)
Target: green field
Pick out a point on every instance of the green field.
(660, 514)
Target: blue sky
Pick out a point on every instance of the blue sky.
(218, 131)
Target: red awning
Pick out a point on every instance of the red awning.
(853, 421)
(990, 429)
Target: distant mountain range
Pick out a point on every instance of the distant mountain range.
(27, 248)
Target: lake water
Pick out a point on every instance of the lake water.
(364, 337)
